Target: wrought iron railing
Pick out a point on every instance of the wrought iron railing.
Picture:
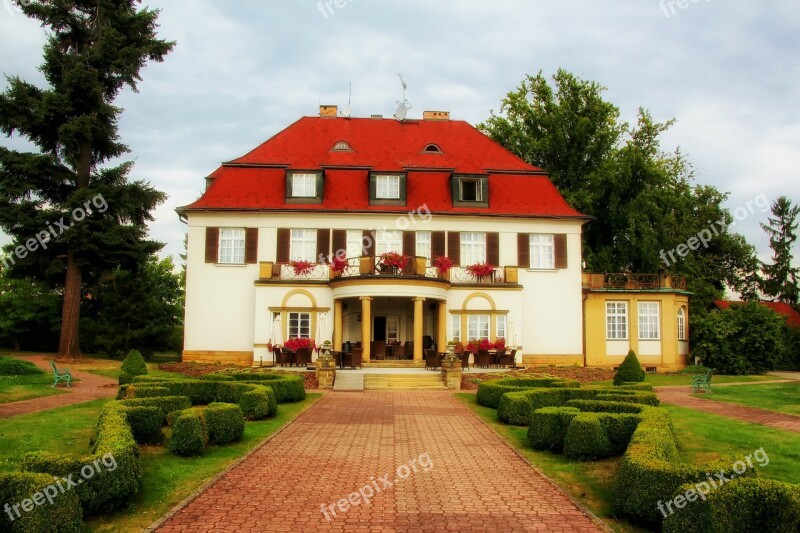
(630, 281)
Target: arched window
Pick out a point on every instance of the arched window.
(341, 146)
(432, 149)
(681, 324)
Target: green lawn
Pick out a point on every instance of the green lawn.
(590, 482)
(780, 397)
(16, 388)
(65, 430)
(663, 380)
(113, 372)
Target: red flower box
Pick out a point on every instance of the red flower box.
(481, 269)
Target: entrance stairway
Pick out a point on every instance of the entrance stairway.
(349, 381)
(417, 381)
(394, 363)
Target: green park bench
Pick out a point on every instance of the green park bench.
(60, 376)
(702, 382)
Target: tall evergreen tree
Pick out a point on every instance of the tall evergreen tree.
(780, 277)
(70, 216)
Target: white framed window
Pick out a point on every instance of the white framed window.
(303, 246)
(456, 319)
(304, 185)
(649, 321)
(542, 251)
(501, 327)
(471, 190)
(681, 324)
(473, 248)
(477, 327)
(300, 325)
(355, 243)
(387, 187)
(388, 241)
(231, 246)
(424, 245)
(392, 328)
(616, 320)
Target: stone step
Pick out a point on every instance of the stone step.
(431, 381)
(349, 381)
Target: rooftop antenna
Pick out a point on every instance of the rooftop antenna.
(402, 107)
(348, 109)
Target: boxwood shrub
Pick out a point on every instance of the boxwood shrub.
(166, 404)
(132, 366)
(586, 438)
(548, 426)
(225, 422)
(108, 489)
(10, 366)
(646, 398)
(188, 434)
(490, 392)
(60, 514)
(287, 387)
(145, 422)
(746, 504)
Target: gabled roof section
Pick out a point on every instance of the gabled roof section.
(256, 180)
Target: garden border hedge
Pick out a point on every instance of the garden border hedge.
(490, 392)
(63, 515)
(288, 388)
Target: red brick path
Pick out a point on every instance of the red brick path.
(90, 387)
(682, 397)
(347, 440)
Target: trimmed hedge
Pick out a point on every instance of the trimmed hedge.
(225, 422)
(257, 401)
(746, 504)
(10, 366)
(145, 422)
(188, 433)
(548, 426)
(141, 391)
(630, 371)
(166, 404)
(490, 392)
(132, 366)
(58, 514)
(586, 439)
(108, 488)
(287, 388)
(516, 407)
(651, 471)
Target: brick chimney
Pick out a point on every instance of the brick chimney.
(436, 115)
(328, 111)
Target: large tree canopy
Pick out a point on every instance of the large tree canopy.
(70, 217)
(781, 278)
(644, 200)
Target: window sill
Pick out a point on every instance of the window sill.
(230, 264)
(542, 269)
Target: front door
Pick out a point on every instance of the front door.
(379, 328)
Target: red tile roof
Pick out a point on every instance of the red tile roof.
(792, 316)
(256, 181)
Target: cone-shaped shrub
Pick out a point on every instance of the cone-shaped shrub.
(630, 370)
(132, 366)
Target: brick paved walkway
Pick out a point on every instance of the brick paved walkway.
(682, 397)
(348, 440)
(91, 387)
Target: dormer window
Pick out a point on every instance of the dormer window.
(341, 146)
(387, 188)
(470, 191)
(304, 187)
(432, 149)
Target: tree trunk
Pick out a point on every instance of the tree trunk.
(16, 343)
(68, 345)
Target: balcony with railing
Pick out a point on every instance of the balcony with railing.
(630, 281)
(404, 268)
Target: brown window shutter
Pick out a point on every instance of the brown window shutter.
(369, 243)
(283, 245)
(323, 245)
(251, 246)
(410, 243)
(437, 244)
(560, 250)
(339, 241)
(212, 245)
(454, 247)
(524, 250)
(493, 248)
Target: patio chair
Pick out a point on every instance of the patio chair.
(355, 358)
(483, 359)
(408, 350)
(303, 357)
(284, 356)
(505, 359)
(464, 356)
(431, 359)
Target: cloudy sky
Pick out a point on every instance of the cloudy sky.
(728, 71)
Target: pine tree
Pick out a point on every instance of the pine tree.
(71, 215)
(780, 277)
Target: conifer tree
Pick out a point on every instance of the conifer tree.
(71, 215)
(780, 277)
